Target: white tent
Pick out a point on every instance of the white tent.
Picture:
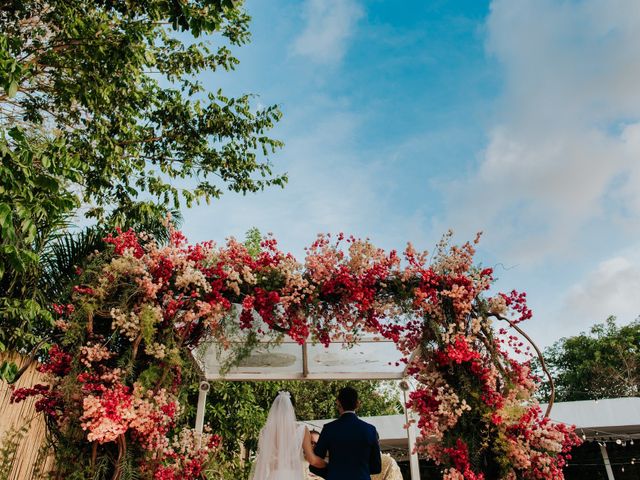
(372, 358)
(612, 418)
(617, 418)
(391, 430)
(600, 418)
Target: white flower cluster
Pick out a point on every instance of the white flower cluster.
(156, 350)
(192, 276)
(498, 305)
(128, 324)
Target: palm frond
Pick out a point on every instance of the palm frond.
(63, 254)
(64, 250)
(102, 468)
(128, 467)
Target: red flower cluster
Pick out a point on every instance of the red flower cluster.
(517, 301)
(59, 362)
(426, 404)
(124, 241)
(457, 353)
(50, 402)
(63, 309)
(459, 458)
(163, 270)
(83, 290)
(20, 394)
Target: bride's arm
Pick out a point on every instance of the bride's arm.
(311, 457)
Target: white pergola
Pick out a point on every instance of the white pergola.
(372, 358)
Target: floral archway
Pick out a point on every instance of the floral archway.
(116, 392)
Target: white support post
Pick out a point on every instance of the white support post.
(202, 402)
(414, 462)
(607, 463)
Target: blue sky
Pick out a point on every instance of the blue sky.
(520, 118)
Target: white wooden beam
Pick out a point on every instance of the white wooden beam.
(266, 375)
(607, 463)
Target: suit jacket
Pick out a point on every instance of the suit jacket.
(352, 445)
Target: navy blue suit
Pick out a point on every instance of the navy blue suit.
(352, 445)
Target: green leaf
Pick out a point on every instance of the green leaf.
(13, 89)
(6, 219)
(8, 371)
(47, 183)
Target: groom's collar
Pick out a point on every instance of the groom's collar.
(348, 411)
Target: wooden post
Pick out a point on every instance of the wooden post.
(305, 361)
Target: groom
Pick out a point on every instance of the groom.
(352, 444)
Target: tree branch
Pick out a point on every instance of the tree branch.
(543, 365)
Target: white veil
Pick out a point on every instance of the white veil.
(280, 443)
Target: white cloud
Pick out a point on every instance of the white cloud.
(565, 148)
(611, 289)
(329, 24)
(330, 190)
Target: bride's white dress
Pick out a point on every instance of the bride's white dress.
(280, 445)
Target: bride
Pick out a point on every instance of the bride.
(282, 443)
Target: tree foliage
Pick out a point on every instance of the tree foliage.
(605, 362)
(114, 83)
(101, 116)
(34, 205)
(250, 403)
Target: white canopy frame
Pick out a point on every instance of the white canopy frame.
(370, 358)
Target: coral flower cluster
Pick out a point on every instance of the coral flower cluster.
(140, 308)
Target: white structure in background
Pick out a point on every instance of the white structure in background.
(372, 358)
(600, 420)
(393, 435)
(609, 417)
(615, 418)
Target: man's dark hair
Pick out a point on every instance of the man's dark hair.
(348, 398)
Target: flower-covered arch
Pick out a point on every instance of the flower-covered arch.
(116, 366)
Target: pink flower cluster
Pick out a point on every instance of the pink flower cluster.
(187, 456)
(146, 415)
(107, 416)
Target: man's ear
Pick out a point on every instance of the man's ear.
(357, 404)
